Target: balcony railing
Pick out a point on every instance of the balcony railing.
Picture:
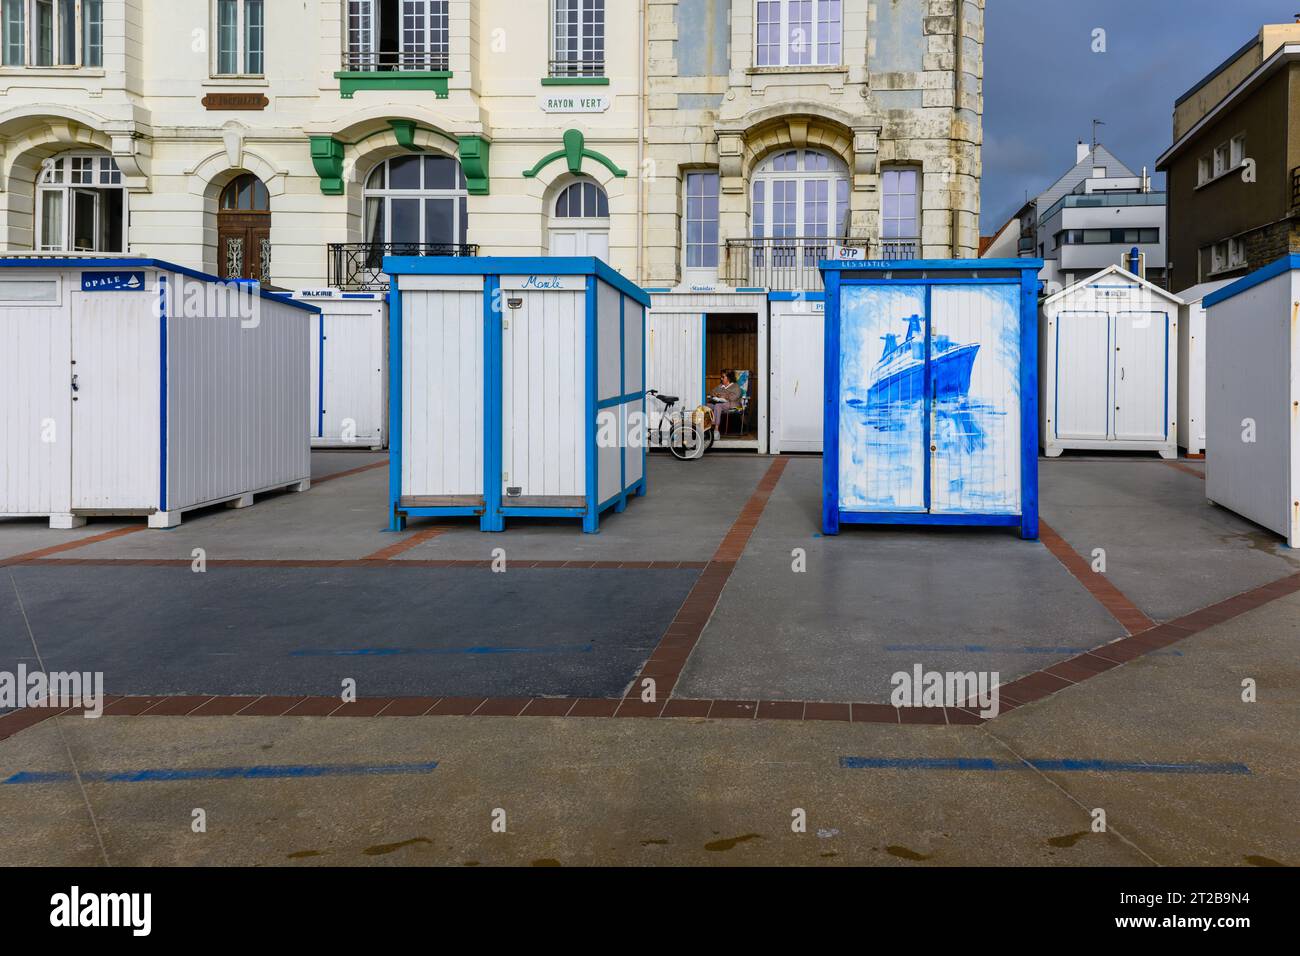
(394, 61)
(577, 67)
(1295, 187)
(359, 266)
(790, 264)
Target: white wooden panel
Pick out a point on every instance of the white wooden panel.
(634, 438)
(237, 396)
(1080, 353)
(544, 396)
(675, 357)
(314, 383)
(440, 283)
(442, 393)
(609, 330)
(1251, 375)
(35, 409)
(798, 379)
(1141, 375)
(746, 303)
(609, 459)
(1191, 378)
(355, 372)
(975, 422)
(115, 412)
(633, 346)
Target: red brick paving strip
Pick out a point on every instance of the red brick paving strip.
(666, 663)
(411, 541)
(350, 472)
(69, 546)
(1128, 614)
(1195, 472)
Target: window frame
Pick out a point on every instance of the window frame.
(65, 52)
(916, 195)
(704, 266)
(763, 197)
(386, 194)
(819, 47)
(574, 64)
(66, 187)
(243, 51)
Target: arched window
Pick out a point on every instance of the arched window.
(800, 193)
(580, 221)
(582, 201)
(244, 230)
(419, 202)
(81, 203)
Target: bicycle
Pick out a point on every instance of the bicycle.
(686, 440)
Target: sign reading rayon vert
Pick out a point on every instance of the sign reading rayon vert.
(112, 282)
(571, 103)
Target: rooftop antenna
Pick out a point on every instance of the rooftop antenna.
(1095, 124)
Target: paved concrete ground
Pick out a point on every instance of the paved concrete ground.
(702, 792)
(581, 790)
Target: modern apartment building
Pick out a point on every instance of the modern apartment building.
(1234, 167)
(703, 147)
(1090, 218)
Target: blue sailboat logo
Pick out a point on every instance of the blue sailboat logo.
(900, 371)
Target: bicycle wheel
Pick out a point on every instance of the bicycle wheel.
(685, 442)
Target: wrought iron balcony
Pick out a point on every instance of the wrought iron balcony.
(395, 61)
(1295, 187)
(359, 266)
(577, 67)
(900, 248)
(787, 264)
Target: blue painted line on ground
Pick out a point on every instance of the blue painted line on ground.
(272, 772)
(985, 649)
(1064, 765)
(400, 651)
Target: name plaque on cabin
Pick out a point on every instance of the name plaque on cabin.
(235, 101)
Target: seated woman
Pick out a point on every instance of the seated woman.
(726, 397)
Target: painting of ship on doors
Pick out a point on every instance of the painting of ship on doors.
(930, 398)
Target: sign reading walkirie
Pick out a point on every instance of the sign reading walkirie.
(573, 102)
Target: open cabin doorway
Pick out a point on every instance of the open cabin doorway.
(732, 342)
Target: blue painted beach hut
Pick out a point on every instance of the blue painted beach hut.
(518, 389)
(931, 393)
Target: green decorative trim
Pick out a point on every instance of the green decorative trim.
(575, 81)
(404, 130)
(474, 162)
(351, 80)
(327, 157)
(575, 150)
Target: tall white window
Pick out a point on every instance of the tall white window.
(52, 33)
(398, 35)
(801, 193)
(798, 32)
(81, 204)
(578, 38)
(702, 220)
(900, 211)
(241, 37)
(417, 201)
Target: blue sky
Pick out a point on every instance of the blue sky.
(1043, 85)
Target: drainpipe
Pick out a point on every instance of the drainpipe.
(1135, 262)
(640, 143)
(952, 213)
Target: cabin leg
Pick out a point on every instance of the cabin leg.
(66, 522)
(641, 488)
(1054, 452)
(243, 501)
(591, 522)
(162, 520)
(1169, 455)
(300, 486)
(621, 505)
(492, 523)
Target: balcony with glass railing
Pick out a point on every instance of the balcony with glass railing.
(1102, 201)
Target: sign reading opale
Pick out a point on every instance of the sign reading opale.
(112, 282)
(573, 103)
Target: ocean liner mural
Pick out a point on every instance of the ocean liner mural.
(928, 382)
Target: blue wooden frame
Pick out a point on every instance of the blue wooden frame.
(493, 513)
(837, 276)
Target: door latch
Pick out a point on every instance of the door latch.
(75, 386)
